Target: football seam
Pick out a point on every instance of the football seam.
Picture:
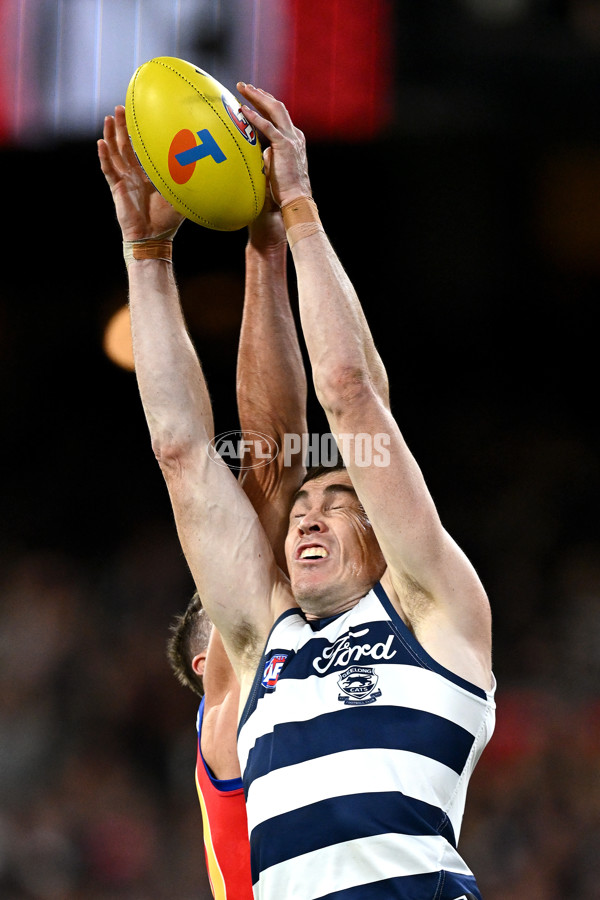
(195, 215)
(223, 121)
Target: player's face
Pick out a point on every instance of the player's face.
(332, 554)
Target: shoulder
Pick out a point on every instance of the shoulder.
(457, 633)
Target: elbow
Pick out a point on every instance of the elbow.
(343, 387)
(171, 450)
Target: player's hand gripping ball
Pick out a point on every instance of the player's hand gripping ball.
(194, 144)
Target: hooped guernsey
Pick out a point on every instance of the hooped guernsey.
(226, 847)
(356, 749)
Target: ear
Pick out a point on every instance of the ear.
(198, 663)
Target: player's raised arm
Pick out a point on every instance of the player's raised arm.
(271, 381)
(271, 396)
(429, 579)
(224, 544)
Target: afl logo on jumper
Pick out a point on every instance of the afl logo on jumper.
(240, 121)
(273, 670)
(358, 685)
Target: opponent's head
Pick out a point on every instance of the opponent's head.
(188, 643)
(332, 554)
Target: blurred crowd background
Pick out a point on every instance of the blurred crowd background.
(454, 148)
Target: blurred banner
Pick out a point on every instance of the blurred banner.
(66, 63)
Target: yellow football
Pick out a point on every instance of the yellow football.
(194, 143)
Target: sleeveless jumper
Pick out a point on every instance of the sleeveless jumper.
(356, 749)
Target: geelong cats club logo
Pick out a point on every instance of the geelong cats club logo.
(358, 685)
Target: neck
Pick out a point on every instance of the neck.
(319, 606)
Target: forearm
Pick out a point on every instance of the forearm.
(170, 380)
(343, 356)
(271, 388)
(342, 353)
(271, 382)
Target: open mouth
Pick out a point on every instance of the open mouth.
(312, 552)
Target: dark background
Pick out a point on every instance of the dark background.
(470, 226)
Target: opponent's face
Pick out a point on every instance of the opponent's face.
(332, 554)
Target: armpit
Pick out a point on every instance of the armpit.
(414, 599)
(247, 644)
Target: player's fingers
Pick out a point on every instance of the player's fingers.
(108, 170)
(128, 157)
(102, 153)
(111, 152)
(260, 91)
(261, 99)
(267, 163)
(268, 105)
(122, 135)
(261, 124)
(123, 157)
(109, 143)
(108, 132)
(111, 139)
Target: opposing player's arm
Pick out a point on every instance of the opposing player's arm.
(271, 396)
(221, 711)
(434, 583)
(271, 381)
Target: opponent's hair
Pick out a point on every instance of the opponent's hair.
(189, 636)
(321, 469)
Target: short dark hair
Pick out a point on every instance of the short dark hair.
(321, 469)
(189, 636)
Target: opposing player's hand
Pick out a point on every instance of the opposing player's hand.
(267, 231)
(142, 212)
(285, 157)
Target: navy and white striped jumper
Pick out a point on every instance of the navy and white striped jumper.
(356, 749)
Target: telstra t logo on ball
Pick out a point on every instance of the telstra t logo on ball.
(185, 152)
